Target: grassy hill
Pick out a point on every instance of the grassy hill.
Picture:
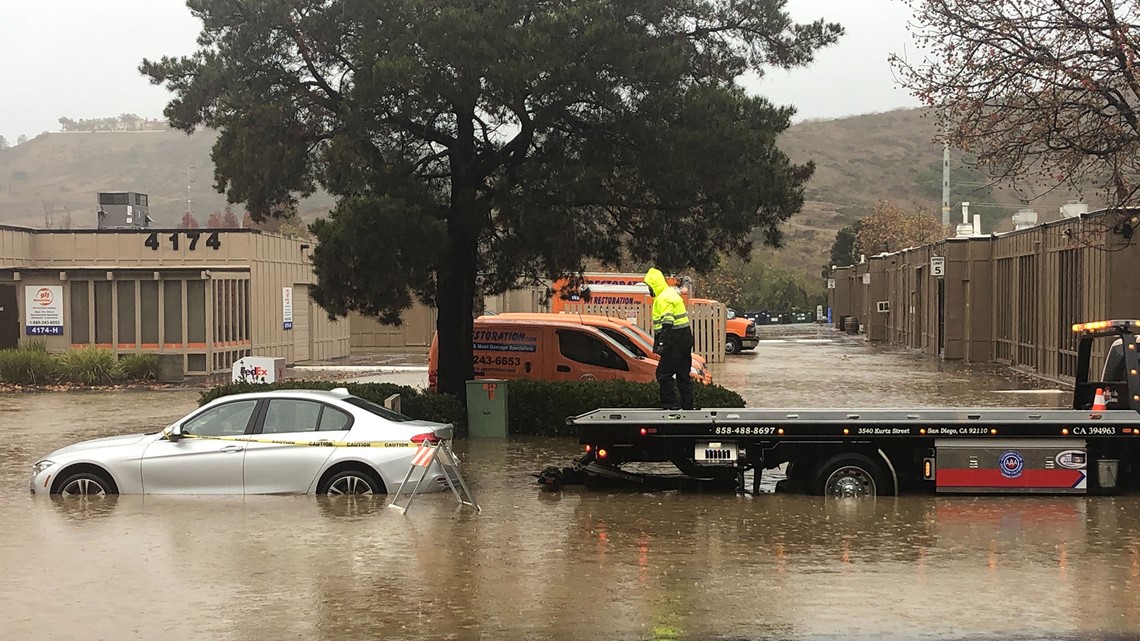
(859, 160)
(61, 173)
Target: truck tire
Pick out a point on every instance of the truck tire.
(850, 475)
(732, 345)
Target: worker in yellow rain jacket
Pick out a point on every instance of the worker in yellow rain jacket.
(672, 342)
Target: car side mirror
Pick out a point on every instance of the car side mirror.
(174, 433)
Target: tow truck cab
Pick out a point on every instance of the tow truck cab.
(1094, 447)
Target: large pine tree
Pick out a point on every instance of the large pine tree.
(471, 144)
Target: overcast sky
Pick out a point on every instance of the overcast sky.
(79, 58)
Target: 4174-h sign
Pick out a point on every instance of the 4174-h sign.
(938, 266)
(43, 310)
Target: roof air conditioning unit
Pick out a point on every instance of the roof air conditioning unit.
(1024, 219)
(1073, 209)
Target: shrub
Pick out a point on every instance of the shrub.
(540, 408)
(89, 366)
(34, 345)
(534, 408)
(139, 367)
(29, 364)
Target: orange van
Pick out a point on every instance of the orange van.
(547, 349)
(739, 332)
(624, 331)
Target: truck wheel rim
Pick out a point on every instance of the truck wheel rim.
(83, 487)
(850, 482)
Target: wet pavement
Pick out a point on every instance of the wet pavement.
(576, 564)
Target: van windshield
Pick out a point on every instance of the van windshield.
(639, 337)
(625, 341)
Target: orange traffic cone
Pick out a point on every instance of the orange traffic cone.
(1098, 401)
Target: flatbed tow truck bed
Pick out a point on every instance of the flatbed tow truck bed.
(885, 451)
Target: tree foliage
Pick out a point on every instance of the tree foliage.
(124, 122)
(757, 285)
(891, 228)
(843, 251)
(471, 144)
(1045, 87)
(188, 221)
(229, 219)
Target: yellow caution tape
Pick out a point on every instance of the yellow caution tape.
(275, 441)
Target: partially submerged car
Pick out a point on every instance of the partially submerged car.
(276, 442)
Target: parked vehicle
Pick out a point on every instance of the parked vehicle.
(1092, 448)
(284, 441)
(627, 290)
(739, 333)
(622, 330)
(550, 349)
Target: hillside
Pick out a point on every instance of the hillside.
(61, 173)
(859, 160)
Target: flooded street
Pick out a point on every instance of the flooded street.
(576, 564)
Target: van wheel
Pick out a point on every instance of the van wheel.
(851, 476)
(732, 345)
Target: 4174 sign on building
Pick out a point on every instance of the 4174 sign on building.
(43, 310)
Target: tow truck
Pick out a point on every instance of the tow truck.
(1092, 448)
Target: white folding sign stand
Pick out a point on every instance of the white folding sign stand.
(423, 459)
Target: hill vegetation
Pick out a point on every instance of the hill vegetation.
(859, 161)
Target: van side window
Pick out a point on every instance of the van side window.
(580, 347)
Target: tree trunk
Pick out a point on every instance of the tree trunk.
(455, 287)
(455, 295)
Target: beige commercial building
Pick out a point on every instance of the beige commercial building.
(210, 296)
(1009, 298)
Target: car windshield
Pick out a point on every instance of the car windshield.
(378, 410)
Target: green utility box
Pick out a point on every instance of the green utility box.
(487, 408)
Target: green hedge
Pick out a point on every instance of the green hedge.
(32, 364)
(535, 408)
(540, 408)
(29, 364)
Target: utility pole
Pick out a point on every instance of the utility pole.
(945, 173)
(189, 181)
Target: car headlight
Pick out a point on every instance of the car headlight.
(41, 466)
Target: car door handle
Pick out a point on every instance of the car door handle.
(232, 448)
(564, 368)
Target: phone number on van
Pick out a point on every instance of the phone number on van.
(497, 360)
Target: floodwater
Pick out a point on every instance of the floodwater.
(576, 564)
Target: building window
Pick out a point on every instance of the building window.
(126, 306)
(196, 312)
(104, 313)
(80, 312)
(196, 363)
(245, 334)
(148, 311)
(172, 312)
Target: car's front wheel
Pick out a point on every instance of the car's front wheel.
(351, 481)
(732, 345)
(86, 484)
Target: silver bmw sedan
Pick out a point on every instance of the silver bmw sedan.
(284, 441)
